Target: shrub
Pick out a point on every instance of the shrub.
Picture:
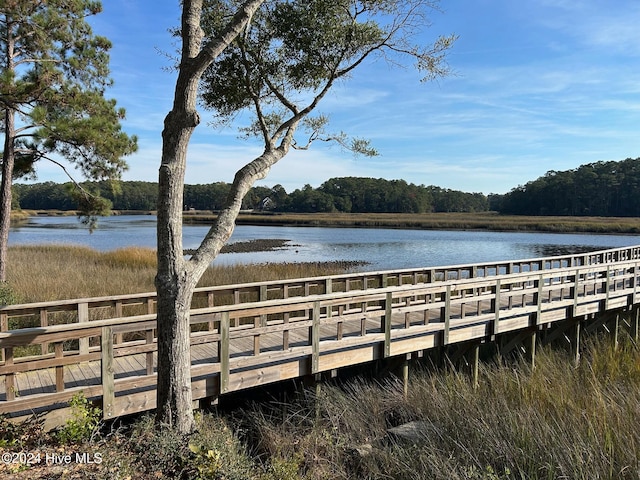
(84, 422)
(8, 295)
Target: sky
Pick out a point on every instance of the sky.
(538, 85)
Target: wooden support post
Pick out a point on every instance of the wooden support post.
(223, 351)
(405, 377)
(635, 324)
(108, 383)
(616, 327)
(575, 343)
(532, 348)
(318, 392)
(476, 365)
(83, 316)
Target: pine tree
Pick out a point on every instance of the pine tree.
(53, 75)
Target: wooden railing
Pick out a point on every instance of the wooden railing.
(89, 309)
(265, 332)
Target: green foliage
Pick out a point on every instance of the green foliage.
(57, 92)
(217, 452)
(213, 452)
(284, 468)
(346, 194)
(8, 296)
(292, 53)
(84, 422)
(594, 189)
(24, 435)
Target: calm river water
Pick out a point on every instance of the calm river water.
(381, 248)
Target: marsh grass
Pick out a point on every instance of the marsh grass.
(557, 421)
(55, 272)
(443, 221)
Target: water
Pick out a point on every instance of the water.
(383, 249)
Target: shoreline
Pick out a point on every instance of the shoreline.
(479, 221)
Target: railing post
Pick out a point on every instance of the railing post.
(607, 287)
(496, 308)
(328, 286)
(263, 297)
(635, 282)
(539, 300)
(44, 321)
(445, 315)
(223, 352)
(119, 314)
(59, 354)
(386, 323)
(574, 293)
(108, 383)
(83, 316)
(4, 326)
(315, 338)
(10, 378)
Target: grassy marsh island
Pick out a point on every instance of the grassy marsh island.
(436, 221)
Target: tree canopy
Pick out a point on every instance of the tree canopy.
(54, 73)
(604, 188)
(345, 194)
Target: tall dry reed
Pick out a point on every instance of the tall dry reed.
(558, 421)
(54, 272)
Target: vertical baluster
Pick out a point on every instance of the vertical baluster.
(59, 354)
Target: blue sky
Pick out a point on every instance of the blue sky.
(540, 85)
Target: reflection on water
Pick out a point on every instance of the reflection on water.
(382, 248)
(549, 250)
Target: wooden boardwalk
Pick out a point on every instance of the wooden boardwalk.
(256, 334)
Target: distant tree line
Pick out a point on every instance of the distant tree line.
(594, 189)
(349, 194)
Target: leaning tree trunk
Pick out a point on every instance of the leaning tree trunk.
(176, 277)
(8, 159)
(173, 282)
